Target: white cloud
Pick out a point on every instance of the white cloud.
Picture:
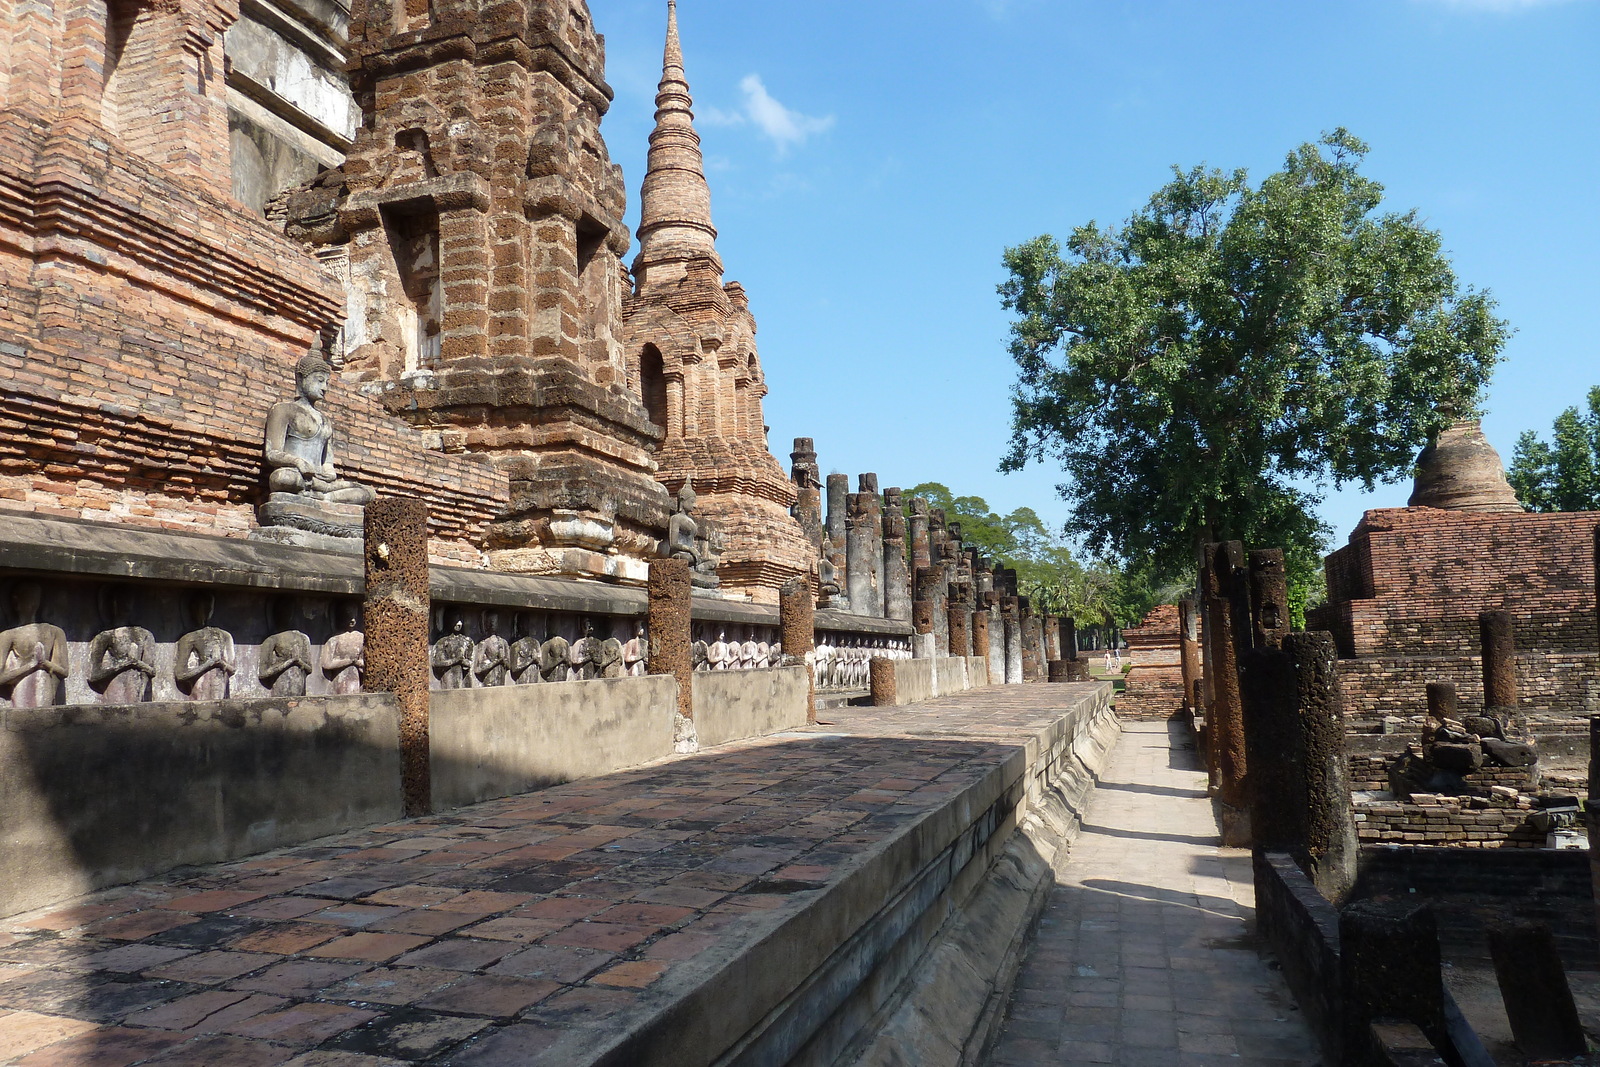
(784, 127)
(1500, 5)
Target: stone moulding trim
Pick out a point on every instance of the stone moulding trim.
(450, 192)
(65, 211)
(457, 39)
(116, 551)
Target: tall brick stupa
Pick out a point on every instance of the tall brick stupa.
(478, 222)
(692, 338)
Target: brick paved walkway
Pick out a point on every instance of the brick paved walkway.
(1144, 954)
(487, 935)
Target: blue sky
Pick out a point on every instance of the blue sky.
(870, 159)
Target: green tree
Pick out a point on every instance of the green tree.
(1203, 371)
(1565, 474)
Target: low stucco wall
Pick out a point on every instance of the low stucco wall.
(95, 796)
(495, 742)
(730, 705)
(916, 680)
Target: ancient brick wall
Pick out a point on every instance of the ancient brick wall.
(146, 320)
(1559, 682)
(1412, 581)
(1405, 594)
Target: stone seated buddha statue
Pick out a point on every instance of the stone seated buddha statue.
(685, 541)
(308, 500)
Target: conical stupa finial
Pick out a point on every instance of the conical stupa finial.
(675, 202)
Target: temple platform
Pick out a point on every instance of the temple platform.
(789, 899)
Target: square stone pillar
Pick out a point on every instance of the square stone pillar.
(797, 630)
(668, 618)
(396, 614)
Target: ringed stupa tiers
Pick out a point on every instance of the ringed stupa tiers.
(692, 339)
(1461, 471)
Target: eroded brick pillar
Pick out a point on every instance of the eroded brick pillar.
(838, 533)
(396, 614)
(668, 617)
(922, 635)
(1224, 722)
(1052, 638)
(960, 629)
(1442, 702)
(980, 636)
(882, 678)
(797, 630)
(1011, 618)
(1498, 632)
(896, 570)
(1273, 744)
(1026, 626)
(1189, 652)
(1269, 597)
(1330, 836)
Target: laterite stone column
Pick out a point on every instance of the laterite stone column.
(396, 615)
(1269, 597)
(980, 636)
(1331, 843)
(797, 614)
(1498, 631)
(1224, 722)
(668, 619)
(884, 690)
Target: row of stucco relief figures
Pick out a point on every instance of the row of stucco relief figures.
(121, 666)
(459, 662)
(846, 662)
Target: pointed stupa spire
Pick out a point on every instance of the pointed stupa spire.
(675, 203)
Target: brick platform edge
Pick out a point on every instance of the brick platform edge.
(949, 1011)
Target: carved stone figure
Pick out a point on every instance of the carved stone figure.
(308, 502)
(747, 655)
(299, 441)
(452, 656)
(522, 659)
(582, 655)
(491, 659)
(121, 657)
(682, 530)
(553, 659)
(763, 658)
(608, 660)
(700, 656)
(635, 652)
(285, 657)
(720, 652)
(344, 655)
(203, 661)
(827, 574)
(33, 654)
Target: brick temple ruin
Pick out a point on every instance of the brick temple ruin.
(376, 535)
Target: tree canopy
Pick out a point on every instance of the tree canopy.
(1563, 475)
(1203, 370)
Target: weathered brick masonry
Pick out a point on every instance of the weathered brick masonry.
(1405, 593)
(146, 319)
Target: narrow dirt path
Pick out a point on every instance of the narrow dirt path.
(1144, 953)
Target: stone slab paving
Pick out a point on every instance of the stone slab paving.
(481, 936)
(1144, 954)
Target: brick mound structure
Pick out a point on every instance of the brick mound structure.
(1405, 593)
(1154, 687)
(692, 338)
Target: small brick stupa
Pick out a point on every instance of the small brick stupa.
(1154, 686)
(692, 338)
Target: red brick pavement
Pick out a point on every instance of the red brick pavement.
(475, 937)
